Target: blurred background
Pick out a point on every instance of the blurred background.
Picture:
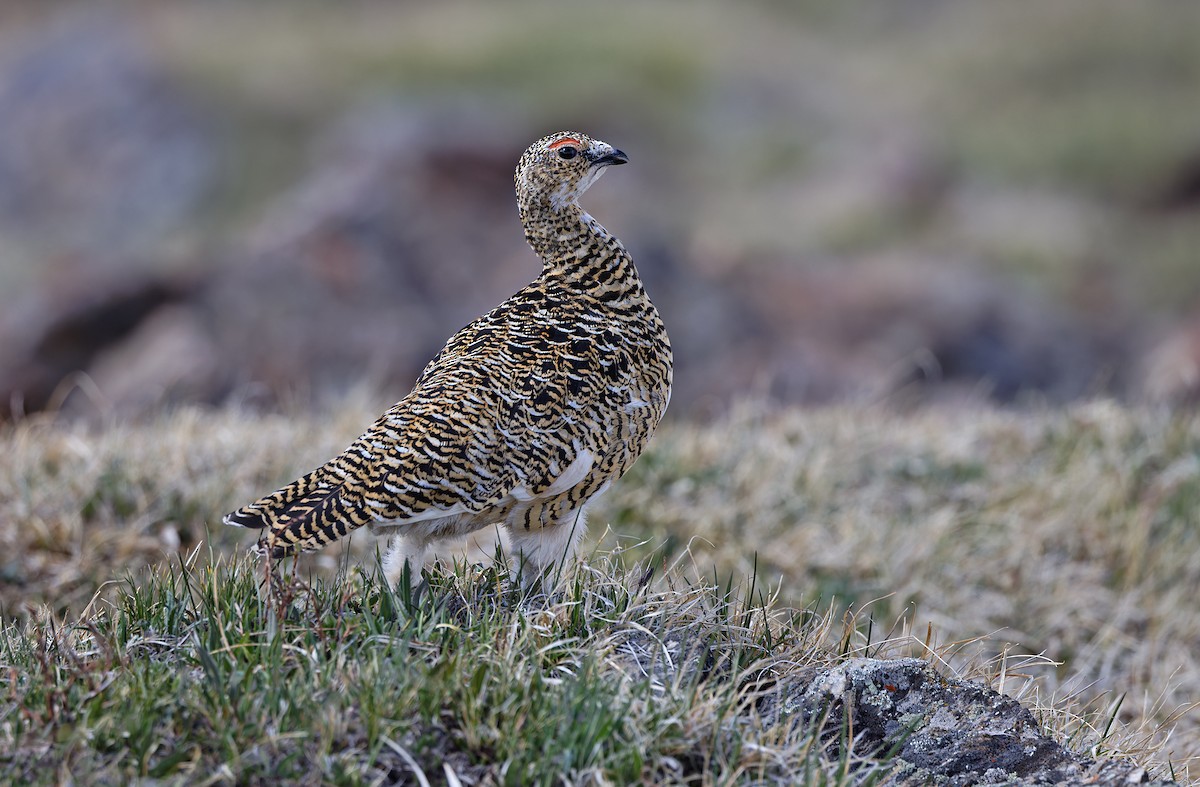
(917, 200)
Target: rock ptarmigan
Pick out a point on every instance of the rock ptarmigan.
(524, 417)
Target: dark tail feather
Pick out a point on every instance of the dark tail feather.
(303, 516)
(261, 513)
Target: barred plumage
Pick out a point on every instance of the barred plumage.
(526, 414)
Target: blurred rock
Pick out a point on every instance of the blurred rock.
(1180, 189)
(49, 337)
(97, 150)
(944, 731)
(170, 357)
(1171, 373)
(874, 326)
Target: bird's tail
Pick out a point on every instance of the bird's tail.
(305, 515)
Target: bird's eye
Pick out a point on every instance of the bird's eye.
(568, 152)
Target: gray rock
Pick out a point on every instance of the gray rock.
(943, 731)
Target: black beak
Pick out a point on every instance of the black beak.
(616, 157)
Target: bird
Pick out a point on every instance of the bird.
(523, 419)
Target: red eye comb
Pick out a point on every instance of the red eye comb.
(565, 141)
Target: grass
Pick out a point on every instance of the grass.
(191, 674)
(136, 644)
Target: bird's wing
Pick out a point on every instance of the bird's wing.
(490, 418)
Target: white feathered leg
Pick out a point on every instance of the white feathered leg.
(546, 551)
(404, 549)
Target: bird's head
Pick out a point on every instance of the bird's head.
(558, 168)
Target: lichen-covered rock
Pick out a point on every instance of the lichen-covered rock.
(942, 731)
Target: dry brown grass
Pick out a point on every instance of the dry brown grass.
(1071, 534)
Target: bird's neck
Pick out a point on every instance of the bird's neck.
(577, 249)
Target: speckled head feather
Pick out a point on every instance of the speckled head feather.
(524, 417)
(557, 169)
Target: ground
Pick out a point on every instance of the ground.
(1050, 553)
